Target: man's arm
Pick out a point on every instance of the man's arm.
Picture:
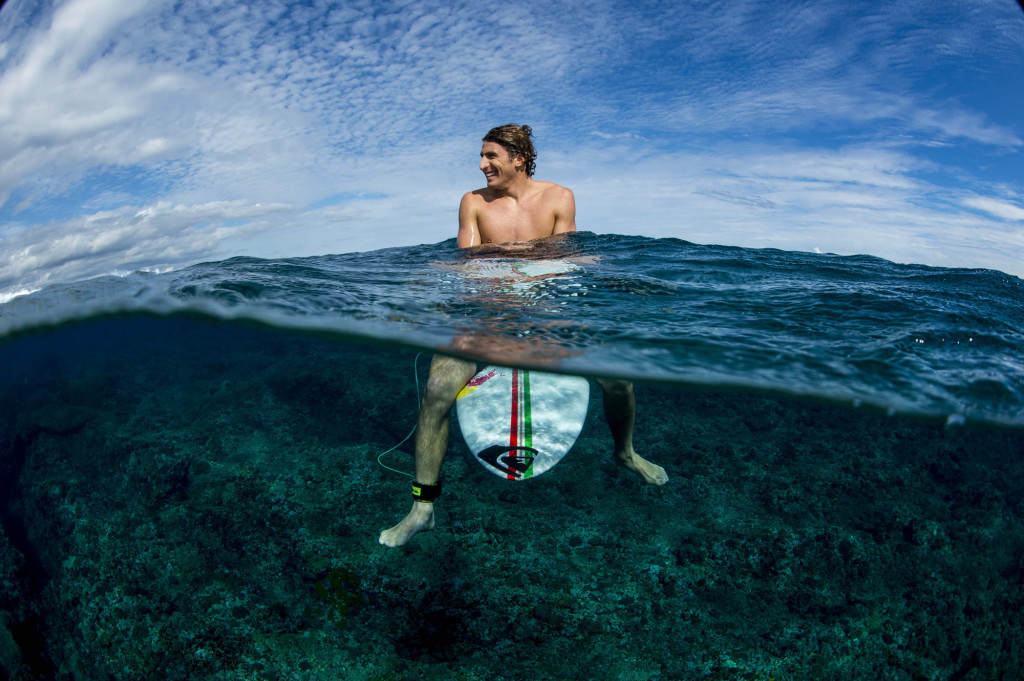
(565, 211)
(469, 230)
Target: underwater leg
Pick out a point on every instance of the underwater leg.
(447, 377)
(620, 411)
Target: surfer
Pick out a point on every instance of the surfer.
(512, 209)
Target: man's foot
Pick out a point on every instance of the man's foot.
(651, 473)
(420, 518)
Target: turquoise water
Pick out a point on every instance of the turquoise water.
(190, 486)
(857, 330)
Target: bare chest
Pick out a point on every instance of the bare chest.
(501, 222)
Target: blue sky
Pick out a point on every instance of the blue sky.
(154, 134)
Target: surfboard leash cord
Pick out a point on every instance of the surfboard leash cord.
(416, 375)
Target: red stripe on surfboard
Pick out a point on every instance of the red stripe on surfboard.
(513, 431)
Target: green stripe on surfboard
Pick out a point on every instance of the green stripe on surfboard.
(527, 420)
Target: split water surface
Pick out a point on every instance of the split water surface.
(189, 483)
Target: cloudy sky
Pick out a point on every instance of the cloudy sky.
(153, 134)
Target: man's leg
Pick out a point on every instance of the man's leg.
(620, 410)
(447, 377)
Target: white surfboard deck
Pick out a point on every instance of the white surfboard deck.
(519, 423)
(511, 269)
(526, 278)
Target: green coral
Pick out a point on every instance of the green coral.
(340, 593)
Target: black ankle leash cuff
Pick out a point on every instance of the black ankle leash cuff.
(425, 493)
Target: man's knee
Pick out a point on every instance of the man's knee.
(437, 392)
(447, 376)
(614, 387)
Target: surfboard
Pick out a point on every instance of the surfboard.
(510, 269)
(526, 278)
(519, 423)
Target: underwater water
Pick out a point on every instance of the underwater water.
(189, 485)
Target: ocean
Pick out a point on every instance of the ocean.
(190, 485)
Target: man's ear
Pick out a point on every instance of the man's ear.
(518, 161)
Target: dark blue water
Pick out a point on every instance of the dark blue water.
(190, 487)
(928, 341)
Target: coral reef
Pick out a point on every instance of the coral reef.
(184, 501)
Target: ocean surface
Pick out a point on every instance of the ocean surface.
(190, 485)
(906, 338)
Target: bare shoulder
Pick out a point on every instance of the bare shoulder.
(552, 188)
(555, 193)
(477, 196)
(561, 204)
(471, 202)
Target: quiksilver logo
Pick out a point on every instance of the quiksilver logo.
(502, 458)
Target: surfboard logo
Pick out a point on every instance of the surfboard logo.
(514, 465)
(476, 382)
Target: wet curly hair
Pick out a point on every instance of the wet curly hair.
(517, 139)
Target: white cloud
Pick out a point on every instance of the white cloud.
(795, 125)
(997, 207)
(160, 235)
(69, 106)
(861, 200)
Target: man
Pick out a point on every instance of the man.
(512, 208)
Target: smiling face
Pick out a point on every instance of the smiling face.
(498, 165)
